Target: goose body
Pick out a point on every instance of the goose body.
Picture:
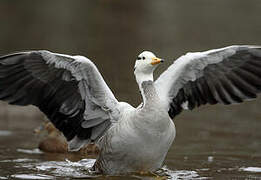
(119, 155)
(72, 93)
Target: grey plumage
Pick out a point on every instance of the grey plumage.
(72, 93)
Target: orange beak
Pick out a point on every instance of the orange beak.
(156, 61)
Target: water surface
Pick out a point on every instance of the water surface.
(213, 142)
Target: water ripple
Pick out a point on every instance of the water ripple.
(5, 133)
(30, 151)
(31, 176)
(251, 169)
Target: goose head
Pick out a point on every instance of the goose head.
(145, 64)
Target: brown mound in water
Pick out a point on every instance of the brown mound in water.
(55, 142)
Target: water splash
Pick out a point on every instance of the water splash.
(181, 174)
(62, 168)
(81, 169)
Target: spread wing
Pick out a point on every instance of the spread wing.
(68, 89)
(227, 76)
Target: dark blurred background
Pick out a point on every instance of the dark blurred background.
(113, 32)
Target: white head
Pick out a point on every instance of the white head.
(145, 64)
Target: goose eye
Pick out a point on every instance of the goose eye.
(143, 58)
